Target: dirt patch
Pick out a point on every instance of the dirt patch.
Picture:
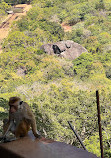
(0, 49)
(66, 27)
(5, 27)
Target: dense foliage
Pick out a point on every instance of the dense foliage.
(60, 90)
(3, 8)
(13, 2)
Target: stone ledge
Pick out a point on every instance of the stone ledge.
(29, 147)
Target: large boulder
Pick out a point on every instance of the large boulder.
(67, 49)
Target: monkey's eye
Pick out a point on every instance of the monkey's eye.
(11, 106)
(21, 102)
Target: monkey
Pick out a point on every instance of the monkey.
(20, 119)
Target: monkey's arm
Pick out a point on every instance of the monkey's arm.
(33, 124)
(7, 125)
(30, 116)
(8, 129)
(32, 121)
(34, 128)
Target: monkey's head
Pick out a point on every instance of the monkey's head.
(14, 103)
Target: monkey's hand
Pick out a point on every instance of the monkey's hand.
(37, 135)
(7, 139)
(3, 139)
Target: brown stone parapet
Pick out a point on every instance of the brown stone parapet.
(29, 147)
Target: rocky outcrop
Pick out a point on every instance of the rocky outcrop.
(21, 72)
(67, 49)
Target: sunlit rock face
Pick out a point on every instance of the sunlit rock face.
(67, 49)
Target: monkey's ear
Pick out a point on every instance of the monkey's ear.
(21, 102)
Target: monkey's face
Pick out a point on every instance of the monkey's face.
(14, 107)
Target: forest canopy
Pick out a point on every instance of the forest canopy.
(57, 89)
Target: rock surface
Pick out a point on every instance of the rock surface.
(29, 147)
(67, 49)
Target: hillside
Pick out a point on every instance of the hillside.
(56, 88)
(7, 20)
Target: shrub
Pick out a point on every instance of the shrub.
(83, 65)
